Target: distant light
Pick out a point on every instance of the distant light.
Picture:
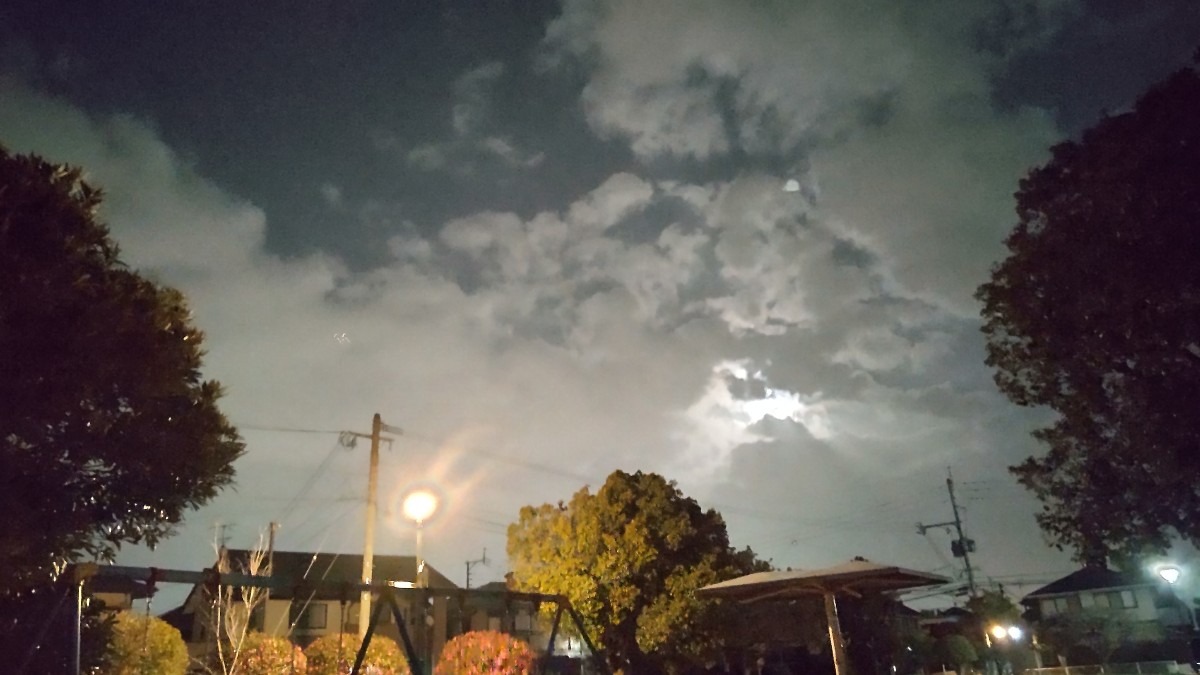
(401, 584)
(1170, 573)
(999, 632)
(792, 185)
(420, 505)
(1015, 633)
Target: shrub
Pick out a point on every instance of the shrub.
(383, 654)
(485, 652)
(263, 654)
(145, 644)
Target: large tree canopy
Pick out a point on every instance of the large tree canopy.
(1096, 315)
(630, 558)
(108, 433)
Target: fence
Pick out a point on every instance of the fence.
(1137, 668)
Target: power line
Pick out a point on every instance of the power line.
(286, 430)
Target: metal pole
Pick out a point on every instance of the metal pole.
(419, 581)
(364, 603)
(76, 665)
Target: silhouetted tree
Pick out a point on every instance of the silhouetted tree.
(108, 434)
(1095, 314)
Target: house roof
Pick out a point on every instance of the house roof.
(854, 576)
(1087, 579)
(338, 567)
(181, 619)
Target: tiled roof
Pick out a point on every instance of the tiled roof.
(1090, 578)
(339, 567)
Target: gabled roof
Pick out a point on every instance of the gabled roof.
(1090, 579)
(338, 567)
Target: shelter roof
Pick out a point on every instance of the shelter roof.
(854, 577)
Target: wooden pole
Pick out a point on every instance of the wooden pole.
(836, 643)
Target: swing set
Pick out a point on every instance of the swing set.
(386, 596)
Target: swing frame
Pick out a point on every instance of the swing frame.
(386, 596)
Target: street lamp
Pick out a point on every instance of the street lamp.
(999, 634)
(1172, 574)
(1003, 633)
(419, 506)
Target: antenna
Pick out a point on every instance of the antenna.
(472, 563)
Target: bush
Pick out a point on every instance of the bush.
(145, 644)
(383, 654)
(263, 654)
(485, 653)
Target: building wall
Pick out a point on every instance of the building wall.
(1137, 604)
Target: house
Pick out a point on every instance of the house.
(117, 594)
(1073, 610)
(1135, 596)
(304, 613)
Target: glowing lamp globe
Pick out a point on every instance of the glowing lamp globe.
(420, 505)
(1170, 573)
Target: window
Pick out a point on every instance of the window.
(1061, 605)
(312, 617)
(1116, 599)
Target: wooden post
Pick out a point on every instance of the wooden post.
(836, 643)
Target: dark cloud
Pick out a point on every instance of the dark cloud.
(733, 244)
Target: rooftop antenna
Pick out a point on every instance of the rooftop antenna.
(472, 563)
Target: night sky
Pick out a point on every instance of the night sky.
(733, 243)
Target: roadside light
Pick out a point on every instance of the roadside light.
(1170, 573)
(1015, 633)
(999, 632)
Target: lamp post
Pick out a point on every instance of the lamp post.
(419, 506)
(1173, 574)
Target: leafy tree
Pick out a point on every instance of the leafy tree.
(630, 558)
(329, 654)
(1100, 632)
(1095, 314)
(45, 645)
(956, 650)
(108, 434)
(145, 644)
(911, 647)
(485, 653)
(992, 607)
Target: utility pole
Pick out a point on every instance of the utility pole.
(472, 563)
(347, 439)
(961, 547)
(368, 566)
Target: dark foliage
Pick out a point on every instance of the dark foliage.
(1096, 315)
(108, 434)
